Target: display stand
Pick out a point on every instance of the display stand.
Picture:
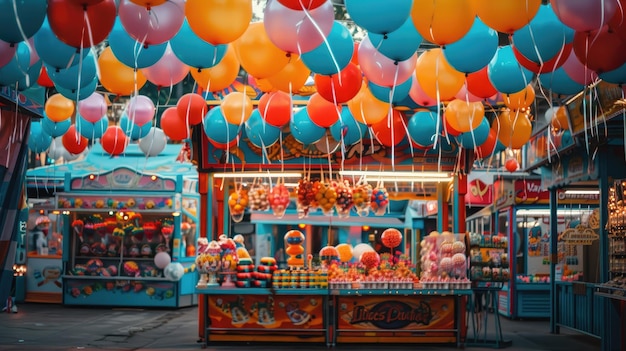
(482, 305)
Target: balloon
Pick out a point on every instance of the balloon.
(140, 109)
(260, 133)
(368, 14)
(74, 142)
(600, 50)
(44, 79)
(59, 108)
(131, 52)
(522, 99)
(303, 129)
(342, 87)
(114, 140)
(191, 108)
(488, 147)
(345, 252)
(162, 259)
(81, 26)
(584, 16)
(174, 271)
(418, 96)
(327, 144)
(511, 165)
(578, 71)
(560, 120)
(334, 54)
(465, 95)
(146, 3)
(547, 66)
(153, 143)
(220, 76)
(481, 41)
(56, 150)
(423, 128)
(393, 94)
(514, 128)
(475, 137)
(168, 71)
(359, 249)
(30, 78)
(217, 128)
(257, 54)
(292, 77)
(616, 76)
(275, 108)
(297, 31)
(443, 21)
(194, 51)
(93, 108)
(55, 129)
(366, 108)
(38, 140)
(437, 78)
(478, 84)
(302, 4)
(236, 108)
(21, 19)
(218, 21)
(91, 130)
(80, 93)
(75, 76)
(132, 130)
(382, 70)
(154, 25)
(464, 116)
(322, 112)
(116, 77)
(173, 126)
(400, 44)
(52, 51)
(390, 133)
(505, 73)
(225, 146)
(507, 16)
(7, 52)
(347, 129)
(16, 68)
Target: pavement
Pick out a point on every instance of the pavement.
(53, 327)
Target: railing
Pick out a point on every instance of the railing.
(578, 308)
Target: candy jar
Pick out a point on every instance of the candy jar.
(258, 197)
(229, 259)
(305, 197)
(237, 203)
(279, 199)
(362, 197)
(294, 248)
(380, 200)
(344, 201)
(325, 198)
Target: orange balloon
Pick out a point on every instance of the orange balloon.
(218, 21)
(58, 108)
(220, 76)
(263, 84)
(514, 128)
(560, 120)
(257, 54)
(522, 99)
(506, 16)
(321, 111)
(172, 126)
(292, 77)
(116, 77)
(237, 108)
(148, 3)
(366, 108)
(464, 116)
(443, 21)
(436, 77)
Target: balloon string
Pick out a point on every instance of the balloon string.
(584, 96)
(24, 38)
(91, 42)
(326, 43)
(390, 122)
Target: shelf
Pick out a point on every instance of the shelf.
(116, 258)
(117, 277)
(405, 292)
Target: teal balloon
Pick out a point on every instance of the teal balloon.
(476, 137)
(217, 128)
(559, 82)
(31, 76)
(130, 52)
(260, 133)
(30, 17)
(79, 75)
(474, 50)
(400, 91)
(133, 131)
(566, 139)
(422, 128)
(194, 51)
(38, 140)
(377, 16)
(616, 76)
(55, 129)
(348, 129)
(79, 93)
(400, 44)
(17, 68)
(303, 129)
(334, 54)
(90, 130)
(52, 51)
(506, 74)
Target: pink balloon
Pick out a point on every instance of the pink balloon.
(169, 70)
(584, 15)
(578, 72)
(93, 108)
(140, 110)
(154, 26)
(7, 51)
(465, 95)
(419, 96)
(298, 31)
(382, 70)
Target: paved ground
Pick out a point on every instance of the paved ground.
(60, 328)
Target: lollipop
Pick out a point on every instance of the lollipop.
(380, 200)
(370, 259)
(458, 247)
(446, 264)
(458, 260)
(279, 200)
(391, 238)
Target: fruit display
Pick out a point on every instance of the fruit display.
(279, 200)
(344, 202)
(379, 200)
(237, 204)
(305, 197)
(362, 198)
(258, 197)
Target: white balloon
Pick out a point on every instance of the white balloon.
(162, 259)
(174, 271)
(153, 143)
(56, 149)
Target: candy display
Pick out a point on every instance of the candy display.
(294, 248)
(237, 204)
(229, 259)
(325, 198)
(379, 200)
(279, 200)
(305, 197)
(362, 198)
(208, 262)
(344, 201)
(258, 197)
(443, 261)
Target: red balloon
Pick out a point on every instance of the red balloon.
(321, 111)
(342, 87)
(191, 108)
(548, 66)
(299, 5)
(85, 2)
(114, 140)
(448, 128)
(231, 144)
(68, 21)
(601, 51)
(478, 84)
(44, 79)
(390, 134)
(487, 148)
(275, 108)
(74, 143)
(511, 165)
(172, 125)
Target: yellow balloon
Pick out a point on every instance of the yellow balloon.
(443, 21)
(366, 108)
(464, 116)
(116, 77)
(513, 127)
(236, 107)
(506, 16)
(522, 99)
(436, 77)
(58, 108)
(257, 54)
(218, 21)
(292, 77)
(220, 76)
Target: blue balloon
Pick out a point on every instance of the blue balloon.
(334, 54)
(422, 128)
(38, 141)
(217, 128)
(506, 74)
(476, 137)
(616, 76)
(566, 139)
(382, 93)
(377, 16)
(194, 51)
(558, 82)
(303, 129)
(400, 44)
(474, 50)
(130, 52)
(132, 130)
(260, 133)
(90, 130)
(31, 15)
(79, 93)
(348, 129)
(55, 129)
(52, 51)
(31, 76)
(79, 75)
(17, 68)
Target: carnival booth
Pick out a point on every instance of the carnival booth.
(129, 225)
